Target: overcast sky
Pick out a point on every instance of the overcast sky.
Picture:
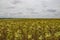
(29, 8)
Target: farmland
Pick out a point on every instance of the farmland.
(29, 29)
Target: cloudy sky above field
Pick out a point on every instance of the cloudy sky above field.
(29, 8)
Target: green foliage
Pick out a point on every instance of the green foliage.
(29, 29)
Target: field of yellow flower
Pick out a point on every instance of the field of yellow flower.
(29, 29)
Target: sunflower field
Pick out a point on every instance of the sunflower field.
(29, 29)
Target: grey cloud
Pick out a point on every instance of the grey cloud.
(29, 8)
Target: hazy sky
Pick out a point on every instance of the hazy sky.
(29, 8)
